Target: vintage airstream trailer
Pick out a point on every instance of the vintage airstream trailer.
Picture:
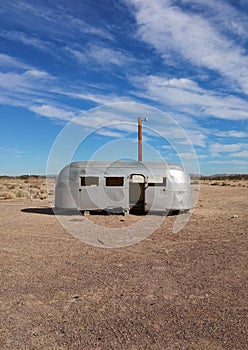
(122, 186)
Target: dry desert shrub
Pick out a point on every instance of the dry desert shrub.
(12, 186)
(22, 194)
(216, 183)
(7, 195)
(195, 182)
(43, 196)
(226, 182)
(22, 188)
(33, 190)
(36, 182)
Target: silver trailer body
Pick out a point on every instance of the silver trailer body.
(146, 186)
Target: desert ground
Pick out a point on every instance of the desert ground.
(169, 291)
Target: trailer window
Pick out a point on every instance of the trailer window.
(89, 181)
(114, 181)
(157, 182)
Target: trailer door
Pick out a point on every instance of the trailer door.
(89, 192)
(137, 192)
(155, 193)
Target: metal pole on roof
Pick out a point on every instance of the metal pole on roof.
(140, 119)
(140, 139)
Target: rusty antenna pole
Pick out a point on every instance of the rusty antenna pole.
(140, 139)
(140, 119)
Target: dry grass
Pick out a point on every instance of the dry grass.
(32, 188)
(227, 182)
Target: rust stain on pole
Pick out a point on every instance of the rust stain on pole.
(140, 139)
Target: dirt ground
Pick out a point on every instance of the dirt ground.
(170, 291)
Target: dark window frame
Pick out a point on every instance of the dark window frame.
(109, 179)
(88, 181)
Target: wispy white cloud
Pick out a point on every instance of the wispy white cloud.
(106, 55)
(196, 136)
(229, 162)
(29, 87)
(202, 156)
(28, 84)
(191, 37)
(238, 150)
(225, 109)
(7, 61)
(242, 154)
(13, 151)
(225, 17)
(80, 56)
(110, 133)
(103, 56)
(187, 96)
(232, 133)
(14, 82)
(99, 98)
(185, 155)
(177, 83)
(53, 112)
(38, 74)
(26, 40)
(40, 92)
(54, 21)
(218, 147)
(91, 30)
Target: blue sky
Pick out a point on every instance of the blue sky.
(187, 58)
